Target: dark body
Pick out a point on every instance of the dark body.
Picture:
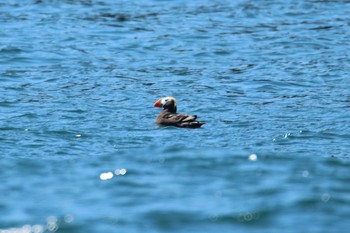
(169, 116)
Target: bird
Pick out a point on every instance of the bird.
(169, 116)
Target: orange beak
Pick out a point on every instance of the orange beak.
(158, 103)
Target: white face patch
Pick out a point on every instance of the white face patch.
(167, 99)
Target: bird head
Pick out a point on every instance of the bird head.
(166, 103)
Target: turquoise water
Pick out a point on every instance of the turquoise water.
(80, 151)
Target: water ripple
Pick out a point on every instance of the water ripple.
(78, 83)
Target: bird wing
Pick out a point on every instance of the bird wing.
(175, 118)
(179, 117)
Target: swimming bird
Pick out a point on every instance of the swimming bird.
(169, 116)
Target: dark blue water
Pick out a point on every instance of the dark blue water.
(80, 151)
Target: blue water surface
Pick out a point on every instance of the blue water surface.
(80, 151)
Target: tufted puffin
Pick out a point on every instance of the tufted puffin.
(168, 115)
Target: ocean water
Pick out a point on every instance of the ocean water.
(80, 151)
